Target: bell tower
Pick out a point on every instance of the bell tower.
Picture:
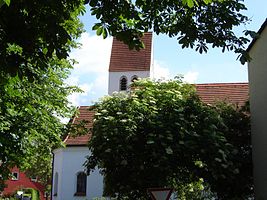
(127, 65)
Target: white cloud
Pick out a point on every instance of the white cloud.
(74, 99)
(101, 83)
(93, 55)
(191, 77)
(72, 80)
(160, 70)
(91, 72)
(77, 98)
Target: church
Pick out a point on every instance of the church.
(69, 178)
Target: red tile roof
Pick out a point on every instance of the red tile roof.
(236, 93)
(124, 59)
(84, 114)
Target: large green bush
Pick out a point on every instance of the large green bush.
(162, 135)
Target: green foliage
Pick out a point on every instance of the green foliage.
(197, 24)
(196, 190)
(39, 29)
(238, 133)
(35, 39)
(30, 126)
(34, 194)
(2, 2)
(162, 135)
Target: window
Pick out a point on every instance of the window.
(34, 179)
(134, 78)
(123, 83)
(55, 184)
(81, 184)
(15, 176)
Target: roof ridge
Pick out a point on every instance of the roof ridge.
(237, 83)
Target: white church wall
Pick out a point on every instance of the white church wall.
(56, 190)
(257, 69)
(114, 79)
(67, 163)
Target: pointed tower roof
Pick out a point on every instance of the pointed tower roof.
(123, 59)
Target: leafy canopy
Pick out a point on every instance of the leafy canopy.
(35, 39)
(161, 134)
(31, 32)
(194, 23)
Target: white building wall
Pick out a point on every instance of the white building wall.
(114, 79)
(257, 69)
(67, 163)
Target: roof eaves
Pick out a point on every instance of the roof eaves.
(76, 145)
(259, 32)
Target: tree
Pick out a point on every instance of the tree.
(161, 134)
(35, 39)
(239, 135)
(30, 119)
(2, 2)
(195, 24)
(31, 32)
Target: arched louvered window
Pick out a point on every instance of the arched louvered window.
(81, 184)
(134, 78)
(55, 184)
(123, 83)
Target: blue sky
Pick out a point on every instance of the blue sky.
(91, 74)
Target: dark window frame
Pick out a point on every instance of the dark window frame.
(81, 184)
(15, 177)
(134, 78)
(123, 83)
(55, 185)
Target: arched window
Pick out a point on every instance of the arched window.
(55, 184)
(134, 78)
(81, 184)
(123, 83)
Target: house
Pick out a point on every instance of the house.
(20, 181)
(257, 71)
(69, 179)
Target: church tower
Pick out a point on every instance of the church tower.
(128, 65)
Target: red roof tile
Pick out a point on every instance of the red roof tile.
(124, 59)
(236, 93)
(84, 114)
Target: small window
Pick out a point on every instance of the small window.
(134, 78)
(81, 184)
(15, 176)
(123, 83)
(55, 184)
(34, 179)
